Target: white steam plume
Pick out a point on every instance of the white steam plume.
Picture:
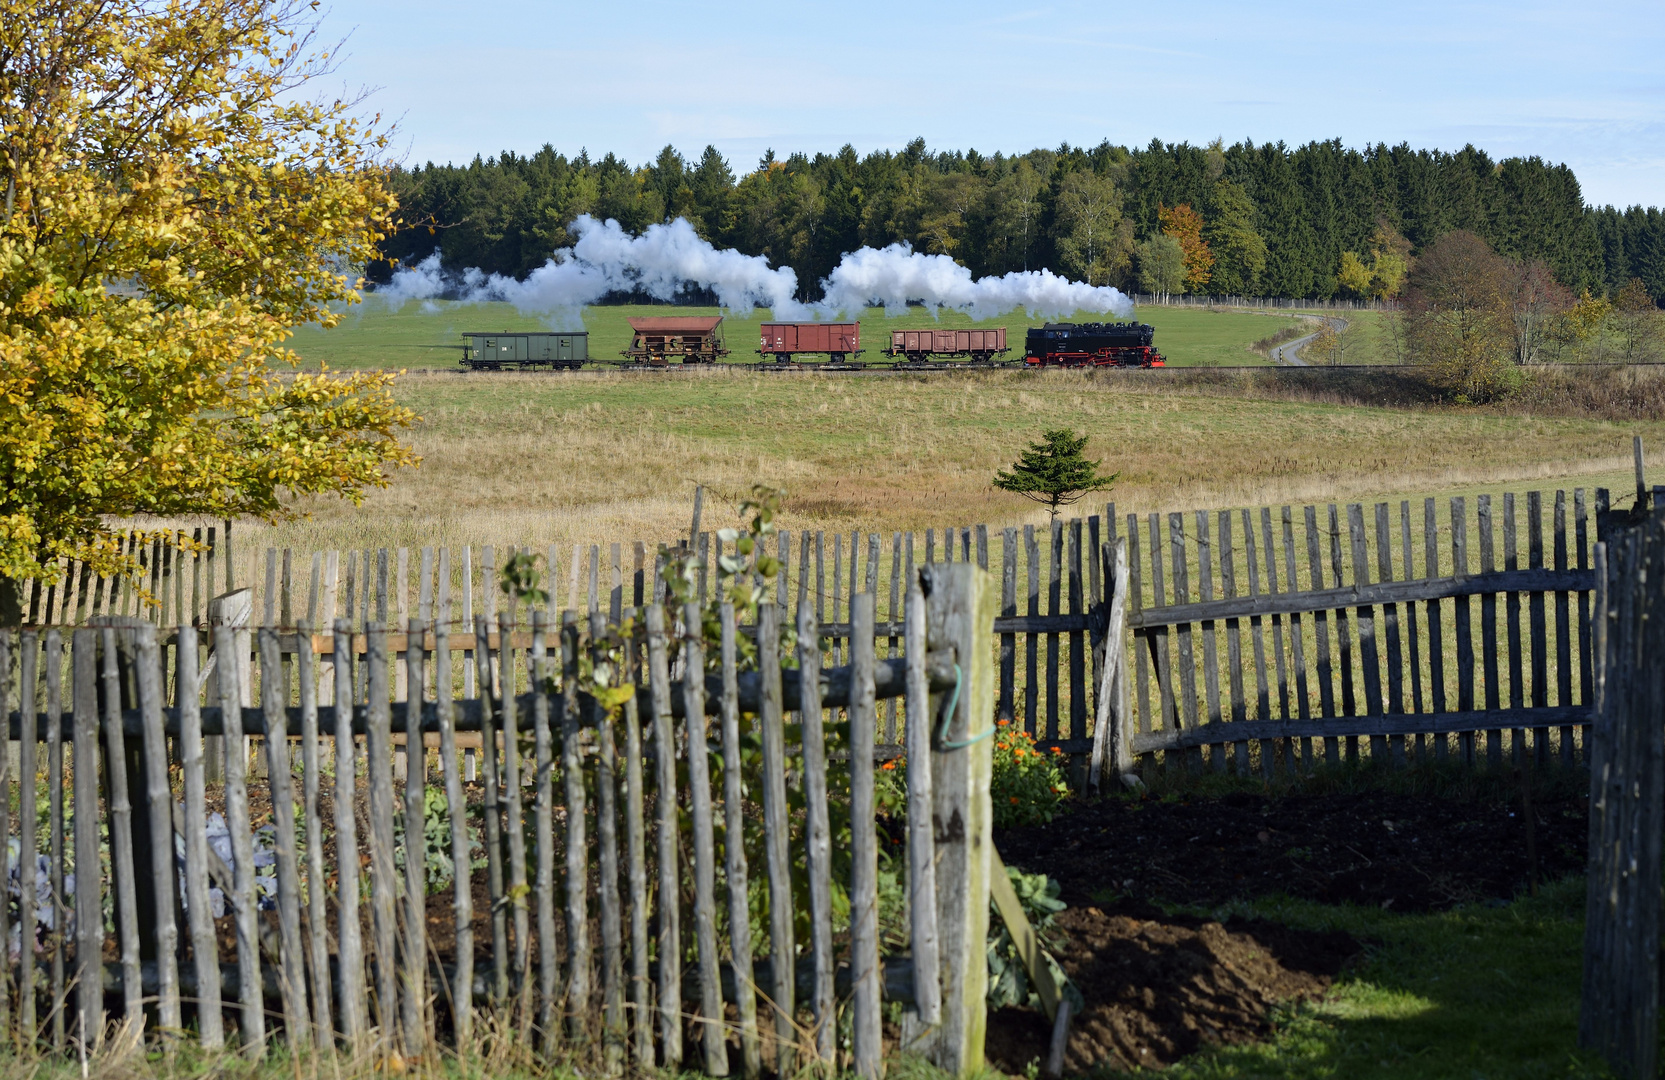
(668, 259)
(897, 275)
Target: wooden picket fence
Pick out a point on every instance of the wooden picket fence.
(588, 880)
(1453, 630)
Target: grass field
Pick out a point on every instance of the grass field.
(596, 458)
(427, 336)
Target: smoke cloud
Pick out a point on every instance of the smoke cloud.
(670, 259)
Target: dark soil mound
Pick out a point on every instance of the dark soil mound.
(1410, 853)
(1158, 988)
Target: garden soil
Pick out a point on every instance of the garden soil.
(1159, 987)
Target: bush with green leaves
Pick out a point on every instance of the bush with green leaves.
(1028, 784)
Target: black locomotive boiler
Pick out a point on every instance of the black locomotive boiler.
(1125, 344)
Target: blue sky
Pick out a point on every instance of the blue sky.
(1582, 84)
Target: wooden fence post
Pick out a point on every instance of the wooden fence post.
(960, 608)
(1619, 1006)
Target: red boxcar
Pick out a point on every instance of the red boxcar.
(921, 345)
(783, 341)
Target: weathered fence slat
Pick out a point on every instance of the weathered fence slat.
(28, 865)
(492, 798)
(543, 824)
(704, 843)
(147, 660)
(866, 1036)
(1187, 714)
(776, 818)
(1488, 629)
(252, 1023)
(817, 834)
(1390, 623)
(635, 838)
(1537, 630)
(664, 752)
(1031, 645)
(1563, 627)
(1436, 638)
(1462, 624)
(1210, 634)
(378, 748)
(126, 885)
(734, 849)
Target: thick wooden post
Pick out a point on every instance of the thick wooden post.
(960, 606)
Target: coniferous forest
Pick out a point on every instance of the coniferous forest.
(1312, 222)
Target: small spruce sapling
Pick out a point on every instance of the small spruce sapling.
(1054, 472)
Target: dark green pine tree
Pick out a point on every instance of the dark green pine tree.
(1054, 472)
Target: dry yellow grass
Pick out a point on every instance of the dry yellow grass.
(597, 458)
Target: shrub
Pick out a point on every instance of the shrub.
(1028, 785)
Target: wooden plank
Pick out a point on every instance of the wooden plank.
(1077, 639)
(1257, 641)
(1436, 639)
(1142, 640)
(89, 919)
(704, 837)
(892, 733)
(414, 974)
(1210, 632)
(1581, 527)
(734, 848)
(1563, 627)
(205, 954)
(576, 885)
(838, 590)
(1369, 653)
(1188, 710)
(1511, 608)
(1095, 554)
(28, 786)
(1463, 624)
(520, 908)
(1031, 645)
(1390, 623)
(378, 752)
(777, 824)
(52, 661)
(866, 1038)
(292, 953)
(960, 614)
(317, 923)
(1411, 644)
(1163, 654)
(1054, 603)
(120, 810)
(1391, 724)
(922, 874)
(461, 988)
(1537, 631)
(635, 842)
(1277, 623)
(1343, 633)
(1006, 707)
(1321, 631)
(670, 938)
(490, 726)
(350, 948)
(817, 836)
(1025, 942)
(1113, 733)
(1234, 640)
(1488, 628)
(609, 908)
(1303, 700)
(241, 902)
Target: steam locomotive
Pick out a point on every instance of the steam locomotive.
(1125, 344)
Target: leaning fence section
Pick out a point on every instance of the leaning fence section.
(625, 879)
(1286, 635)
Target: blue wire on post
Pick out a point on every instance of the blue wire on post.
(948, 718)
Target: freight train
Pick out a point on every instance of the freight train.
(659, 340)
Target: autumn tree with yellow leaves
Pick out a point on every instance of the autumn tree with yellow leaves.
(174, 203)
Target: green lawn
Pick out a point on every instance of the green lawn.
(1480, 991)
(428, 335)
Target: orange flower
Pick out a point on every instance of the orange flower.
(889, 765)
(1014, 800)
(1003, 723)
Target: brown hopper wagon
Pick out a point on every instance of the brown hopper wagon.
(786, 341)
(919, 346)
(694, 338)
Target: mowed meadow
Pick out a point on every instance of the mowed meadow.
(601, 457)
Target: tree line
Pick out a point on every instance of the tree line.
(1310, 222)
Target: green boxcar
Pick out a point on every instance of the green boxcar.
(496, 351)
